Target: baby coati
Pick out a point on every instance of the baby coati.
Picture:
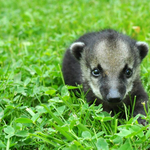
(107, 64)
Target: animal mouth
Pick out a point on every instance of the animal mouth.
(114, 100)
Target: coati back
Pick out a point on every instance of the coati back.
(107, 64)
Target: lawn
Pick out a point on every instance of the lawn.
(36, 109)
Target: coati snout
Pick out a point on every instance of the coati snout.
(107, 64)
(113, 95)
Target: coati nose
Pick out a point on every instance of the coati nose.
(114, 96)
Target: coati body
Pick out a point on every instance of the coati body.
(107, 64)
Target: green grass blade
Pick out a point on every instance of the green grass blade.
(58, 120)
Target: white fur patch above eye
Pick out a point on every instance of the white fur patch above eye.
(77, 44)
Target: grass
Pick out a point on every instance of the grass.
(36, 109)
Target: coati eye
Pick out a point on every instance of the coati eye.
(96, 72)
(128, 73)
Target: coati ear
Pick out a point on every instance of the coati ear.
(143, 49)
(76, 49)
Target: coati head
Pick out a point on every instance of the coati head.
(109, 63)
